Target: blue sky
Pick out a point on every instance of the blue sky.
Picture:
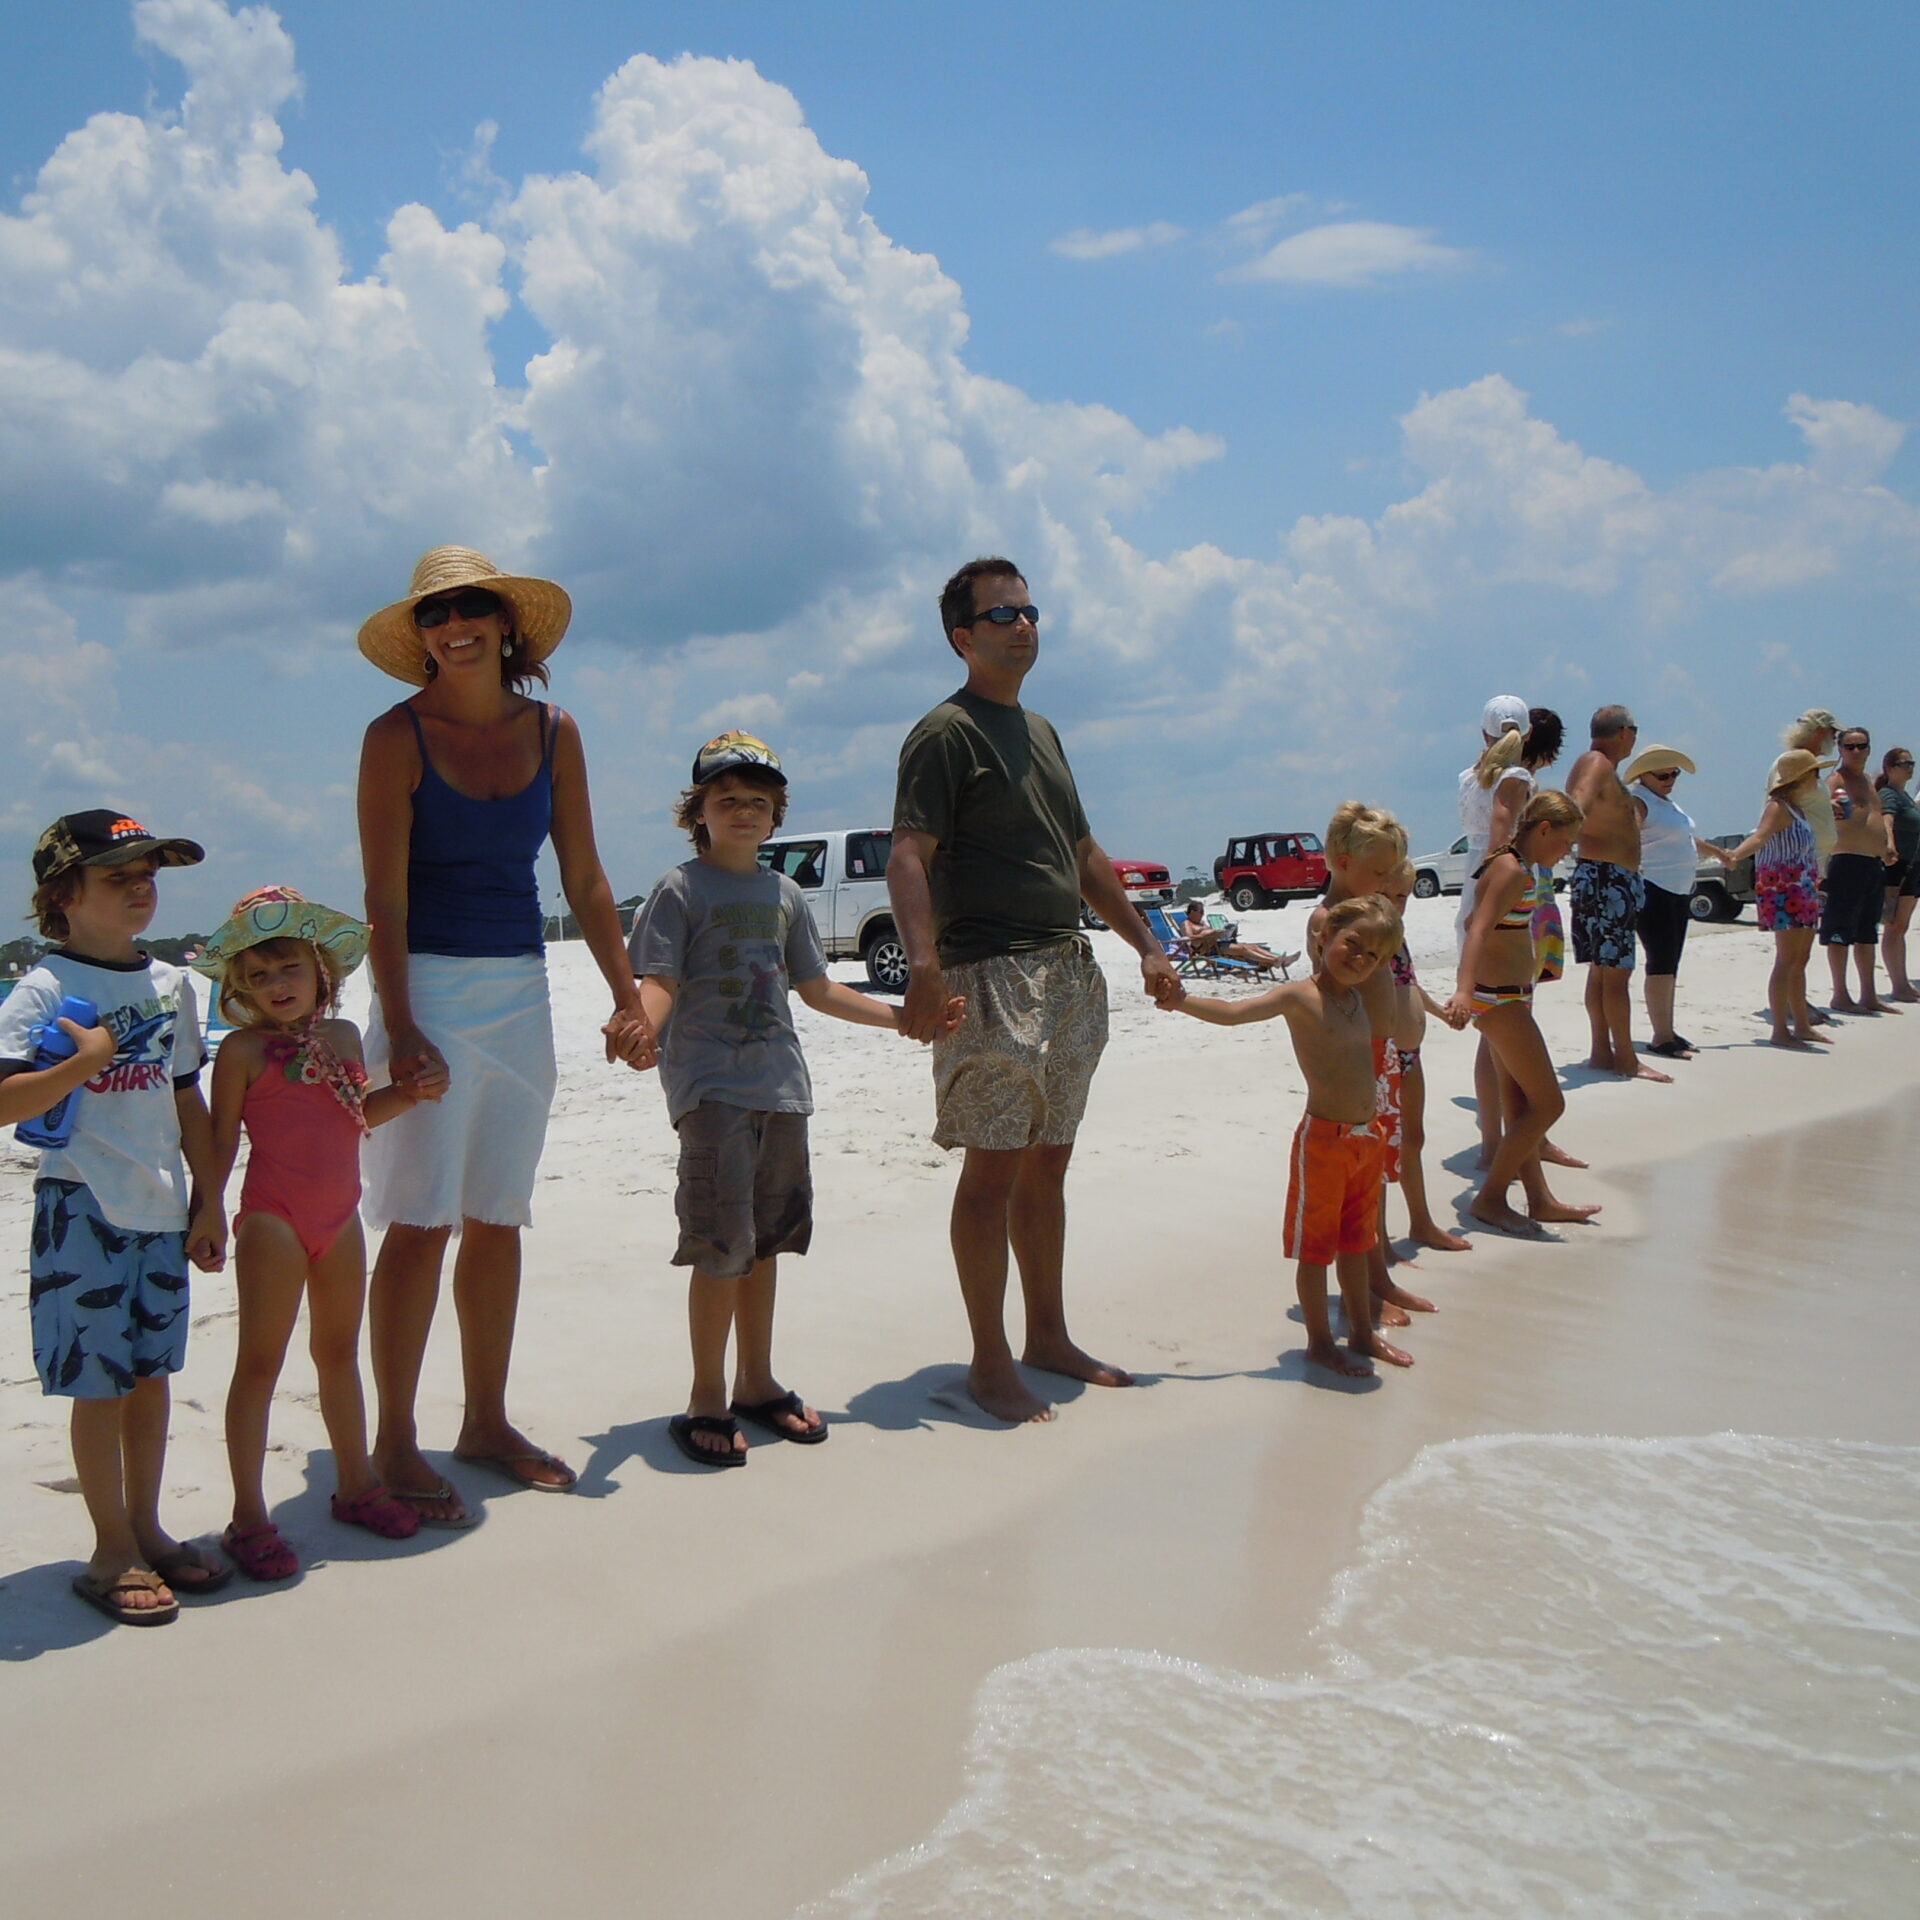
(1328, 373)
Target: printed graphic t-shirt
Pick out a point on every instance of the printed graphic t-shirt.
(735, 942)
(991, 785)
(126, 1134)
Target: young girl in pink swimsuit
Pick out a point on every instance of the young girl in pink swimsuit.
(292, 1076)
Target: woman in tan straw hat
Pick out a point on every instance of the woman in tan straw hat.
(461, 785)
(1786, 879)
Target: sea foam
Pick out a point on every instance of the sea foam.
(1563, 1677)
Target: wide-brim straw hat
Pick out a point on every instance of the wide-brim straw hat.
(1793, 766)
(279, 913)
(1655, 760)
(541, 611)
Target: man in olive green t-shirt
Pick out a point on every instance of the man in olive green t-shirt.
(992, 856)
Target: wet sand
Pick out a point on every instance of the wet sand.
(684, 1688)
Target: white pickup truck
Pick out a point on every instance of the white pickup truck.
(843, 873)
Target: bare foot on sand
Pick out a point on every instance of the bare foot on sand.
(1440, 1239)
(1844, 1003)
(1379, 1349)
(1793, 1042)
(1001, 1392)
(1645, 1072)
(1062, 1356)
(1558, 1156)
(1558, 1212)
(1503, 1219)
(1400, 1297)
(1330, 1356)
(1387, 1314)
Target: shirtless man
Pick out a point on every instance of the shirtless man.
(1608, 892)
(1863, 855)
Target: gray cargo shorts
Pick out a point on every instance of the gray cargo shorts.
(1017, 1072)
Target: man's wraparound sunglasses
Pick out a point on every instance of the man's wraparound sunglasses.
(1006, 616)
(474, 604)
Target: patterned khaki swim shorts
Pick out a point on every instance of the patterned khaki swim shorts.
(1016, 1073)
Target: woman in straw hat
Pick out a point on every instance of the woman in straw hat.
(1670, 853)
(1786, 877)
(461, 785)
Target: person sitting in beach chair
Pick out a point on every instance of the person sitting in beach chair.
(1189, 963)
(1214, 933)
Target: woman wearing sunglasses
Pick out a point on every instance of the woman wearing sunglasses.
(1670, 854)
(461, 785)
(1902, 816)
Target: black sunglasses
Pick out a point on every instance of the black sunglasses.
(1006, 616)
(475, 603)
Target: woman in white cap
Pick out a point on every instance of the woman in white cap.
(1670, 853)
(1492, 792)
(460, 786)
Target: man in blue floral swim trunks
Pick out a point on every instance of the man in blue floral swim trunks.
(1608, 892)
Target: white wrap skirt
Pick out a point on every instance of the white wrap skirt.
(474, 1154)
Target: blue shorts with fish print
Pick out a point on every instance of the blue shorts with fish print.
(108, 1304)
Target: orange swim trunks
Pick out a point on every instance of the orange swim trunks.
(1387, 1075)
(1333, 1190)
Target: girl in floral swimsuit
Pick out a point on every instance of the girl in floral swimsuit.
(293, 1078)
(1786, 876)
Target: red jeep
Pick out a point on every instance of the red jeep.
(1268, 869)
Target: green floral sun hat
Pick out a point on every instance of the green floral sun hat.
(279, 913)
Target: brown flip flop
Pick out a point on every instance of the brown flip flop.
(106, 1596)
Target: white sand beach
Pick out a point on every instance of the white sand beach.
(676, 1691)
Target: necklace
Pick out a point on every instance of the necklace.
(307, 1060)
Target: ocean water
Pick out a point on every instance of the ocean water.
(1562, 1677)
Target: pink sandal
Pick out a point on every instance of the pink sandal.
(379, 1512)
(259, 1552)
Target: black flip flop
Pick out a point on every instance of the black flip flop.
(767, 1414)
(1674, 1049)
(683, 1426)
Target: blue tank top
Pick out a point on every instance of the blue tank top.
(470, 885)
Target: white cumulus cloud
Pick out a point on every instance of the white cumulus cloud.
(1350, 253)
(1083, 243)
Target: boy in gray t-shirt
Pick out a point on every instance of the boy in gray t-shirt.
(715, 949)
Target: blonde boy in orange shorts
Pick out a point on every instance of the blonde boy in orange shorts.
(1335, 1168)
(1365, 848)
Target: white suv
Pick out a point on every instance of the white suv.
(843, 873)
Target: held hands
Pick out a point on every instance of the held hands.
(207, 1237)
(1162, 984)
(416, 1067)
(927, 1011)
(1458, 1012)
(956, 1011)
(630, 1038)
